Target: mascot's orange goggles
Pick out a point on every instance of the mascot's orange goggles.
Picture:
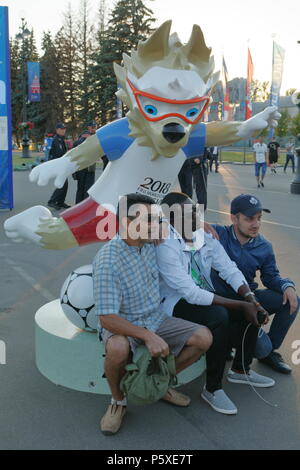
(155, 108)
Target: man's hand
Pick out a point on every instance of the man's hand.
(156, 345)
(250, 312)
(290, 296)
(209, 229)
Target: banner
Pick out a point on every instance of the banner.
(277, 71)
(6, 182)
(225, 91)
(250, 72)
(34, 88)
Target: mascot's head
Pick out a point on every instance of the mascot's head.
(165, 85)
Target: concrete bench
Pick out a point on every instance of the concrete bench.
(74, 358)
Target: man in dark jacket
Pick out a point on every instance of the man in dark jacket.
(86, 177)
(58, 149)
(252, 252)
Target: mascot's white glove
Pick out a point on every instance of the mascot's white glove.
(267, 118)
(22, 227)
(60, 169)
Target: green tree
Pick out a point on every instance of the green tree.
(66, 43)
(283, 124)
(86, 47)
(130, 21)
(260, 91)
(295, 125)
(290, 91)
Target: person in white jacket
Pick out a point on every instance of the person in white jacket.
(185, 261)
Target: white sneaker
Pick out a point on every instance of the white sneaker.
(219, 401)
(252, 378)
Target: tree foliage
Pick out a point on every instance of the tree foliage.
(77, 79)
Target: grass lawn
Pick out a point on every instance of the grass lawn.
(229, 156)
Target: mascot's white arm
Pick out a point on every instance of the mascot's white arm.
(226, 132)
(61, 168)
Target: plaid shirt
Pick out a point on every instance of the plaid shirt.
(126, 283)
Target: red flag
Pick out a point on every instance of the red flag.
(250, 71)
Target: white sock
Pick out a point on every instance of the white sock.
(119, 402)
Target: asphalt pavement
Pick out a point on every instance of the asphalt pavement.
(36, 414)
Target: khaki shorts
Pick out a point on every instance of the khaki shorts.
(174, 331)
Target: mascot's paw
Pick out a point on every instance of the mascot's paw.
(58, 169)
(22, 227)
(267, 118)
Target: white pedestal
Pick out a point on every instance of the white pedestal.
(74, 358)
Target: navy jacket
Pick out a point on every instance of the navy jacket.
(256, 255)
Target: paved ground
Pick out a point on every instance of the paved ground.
(35, 414)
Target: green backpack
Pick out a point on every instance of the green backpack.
(148, 378)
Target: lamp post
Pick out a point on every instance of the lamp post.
(21, 37)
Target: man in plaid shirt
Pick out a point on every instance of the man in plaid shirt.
(127, 299)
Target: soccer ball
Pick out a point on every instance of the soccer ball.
(77, 298)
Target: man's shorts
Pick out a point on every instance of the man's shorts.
(262, 166)
(174, 331)
(273, 159)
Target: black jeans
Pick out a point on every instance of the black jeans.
(185, 178)
(228, 330)
(85, 179)
(59, 195)
(200, 171)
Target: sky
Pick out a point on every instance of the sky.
(229, 27)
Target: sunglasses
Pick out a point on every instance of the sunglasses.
(155, 108)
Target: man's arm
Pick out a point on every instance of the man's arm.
(119, 326)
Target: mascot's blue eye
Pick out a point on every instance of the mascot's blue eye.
(192, 112)
(151, 109)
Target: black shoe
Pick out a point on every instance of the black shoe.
(54, 205)
(258, 185)
(276, 362)
(262, 184)
(64, 206)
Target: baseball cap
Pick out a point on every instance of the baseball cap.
(247, 205)
(60, 125)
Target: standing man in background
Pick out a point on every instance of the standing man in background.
(214, 157)
(260, 158)
(200, 172)
(273, 147)
(290, 155)
(86, 177)
(58, 149)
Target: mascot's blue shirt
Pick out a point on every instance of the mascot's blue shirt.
(115, 140)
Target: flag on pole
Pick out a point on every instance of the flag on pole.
(34, 89)
(225, 114)
(250, 72)
(277, 71)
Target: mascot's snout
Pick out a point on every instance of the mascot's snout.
(173, 132)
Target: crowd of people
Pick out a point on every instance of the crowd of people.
(190, 291)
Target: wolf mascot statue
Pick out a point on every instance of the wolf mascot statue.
(166, 86)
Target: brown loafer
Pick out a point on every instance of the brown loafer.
(112, 420)
(176, 398)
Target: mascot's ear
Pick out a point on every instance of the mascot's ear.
(196, 49)
(156, 47)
